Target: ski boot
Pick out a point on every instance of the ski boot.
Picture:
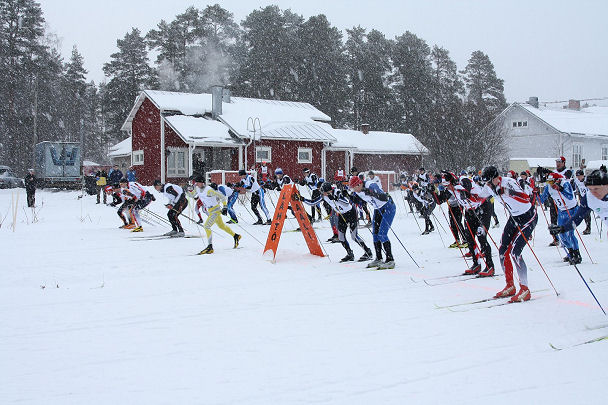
(124, 226)
(554, 243)
(170, 233)
(587, 230)
(333, 239)
(487, 272)
(388, 264)
(178, 234)
(496, 225)
(258, 222)
(374, 263)
(349, 257)
(522, 295)
(464, 245)
(206, 251)
(476, 268)
(454, 245)
(368, 255)
(200, 221)
(138, 229)
(130, 226)
(237, 238)
(576, 257)
(268, 222)
(508, 291)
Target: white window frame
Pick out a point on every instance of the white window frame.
(605, 151)
(577, 154)
(137, 157)
(305, 150)
(259, 159)
(519, 124)
(172, 169)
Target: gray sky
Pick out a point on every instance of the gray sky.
(552, 49)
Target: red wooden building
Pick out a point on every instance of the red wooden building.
(174, 135)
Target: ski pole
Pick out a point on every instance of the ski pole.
(548, 225)
(528, 243)
(438, 230)
(456, 236)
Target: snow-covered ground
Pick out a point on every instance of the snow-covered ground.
(91, 315)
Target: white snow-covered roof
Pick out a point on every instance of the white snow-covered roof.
(378, 142)
(535, 162)
(89, 163)
(595, 164)
(201, 131)
(589, 121)
(278, 119)
(122, 148)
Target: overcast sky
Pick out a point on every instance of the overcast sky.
(552, 49)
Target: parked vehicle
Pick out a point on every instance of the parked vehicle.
(58, 164)
(8, 178)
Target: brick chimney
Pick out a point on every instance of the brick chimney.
(365, 128)
(574, 105)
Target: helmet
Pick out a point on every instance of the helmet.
(488, 173)
(326, 187)
(354, 181)
(579, 172)
(597, 177)
(123, 180)
(242, 172)
(466, 183)
(278, 170)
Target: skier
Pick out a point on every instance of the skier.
(563, 197)
(596, 200)
(125, 206)
(177, 202)
(384, 213)
(339, 202)
(139, 199)
(311, 180)
(518, 229)
(422, 178)
(477, 217)
(449, 181)
(427, 204)
(249, 183)
(373, 178)
(213, 200)
(232, 195)
(264, 172)
(581, 190)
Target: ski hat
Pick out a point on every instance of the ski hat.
(123, 180)
(523, 173)
(326, 187)
(597, 177)
(561, 159)
(354, 181)
(466, 183)
(579, 172)
(278, 170)
(489, 172)
(199, 179)
(242, 172)
(157, 183)
(306, 170)
(512, 174)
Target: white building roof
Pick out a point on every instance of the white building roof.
(378, 142)
(535, 162)
(589, 121)
(201, 131)
(123, 148)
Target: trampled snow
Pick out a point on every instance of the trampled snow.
(91, 315)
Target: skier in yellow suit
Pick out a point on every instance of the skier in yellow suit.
(215, 203)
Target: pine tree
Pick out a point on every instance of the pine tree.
(73, 96)
(130, 74)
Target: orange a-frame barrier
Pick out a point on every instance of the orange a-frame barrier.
(285, 199)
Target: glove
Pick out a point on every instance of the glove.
(556, 229)
(481, 231)
(169, 206)
(113, 204)
(224, 211)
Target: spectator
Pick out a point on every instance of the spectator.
(101, 177)
(115, 175)
(30, 188)
(131, 174)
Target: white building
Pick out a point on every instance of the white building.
(533, 132)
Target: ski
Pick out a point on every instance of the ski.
(463, 277)
(598, 339)
(479, 301)
(160, 237)
(493, 304)
(601, 326)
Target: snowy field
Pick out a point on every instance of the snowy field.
(91, 315)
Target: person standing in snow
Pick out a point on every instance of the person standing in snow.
(581, 190)
(384, 213)
(517, 231)
(30, 188)
(115, 175)
(177, 202)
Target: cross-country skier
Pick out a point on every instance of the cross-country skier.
(581, 190)
(125, 206)
(311, 181)
(139, 199)
(518, 229)
(449, 182)
(177, 202)
(596, 200)
(249, 183)
(340, 203)
(427, 203)
(384, 213)
(213, 200)
(232, 195)
(563, 197)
